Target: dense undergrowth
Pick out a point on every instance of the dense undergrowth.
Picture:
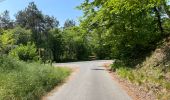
(28, 81)
(153, 74)
(151, 78)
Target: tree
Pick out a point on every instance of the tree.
(5, 21)
(25, 52)
(21, 35)
(32, 18)
(128, 29)
(69, 23)
(10, 38)
(56, 44)
(40, 25)
(76, 44)
(7, 41)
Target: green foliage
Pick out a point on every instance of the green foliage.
(51, 42)
(117, 64)
(56, 44)
(152, 78)
(128, 30)
(12, 37)
(82, 51)
(127, 73)
(76, 44)
(69, 23)
(6, 64)
(21, 35)
(32, 18)
(25, 52)
(28, 81)
(166, 25)
(5, 20)
(7, 41)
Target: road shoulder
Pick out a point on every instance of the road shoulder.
(134, 91)
(58, 87)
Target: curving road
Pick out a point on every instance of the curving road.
(91, 82)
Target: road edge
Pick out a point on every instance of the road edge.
(58, 87)
(134, 91)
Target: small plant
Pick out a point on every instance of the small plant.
(117, 64)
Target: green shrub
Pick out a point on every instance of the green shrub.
(25, 52)
(124, 72)
(6, 41)
(152, 78)
(6, 63)
(117, 64)
(30, 81)
(21, 35)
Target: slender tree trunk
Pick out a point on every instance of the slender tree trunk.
(158, 15)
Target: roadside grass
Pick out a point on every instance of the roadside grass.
(153, 79)
(28, 81)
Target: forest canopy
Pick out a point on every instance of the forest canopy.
(126, 29)
(32, 29)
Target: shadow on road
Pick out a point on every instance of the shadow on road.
(99, 69)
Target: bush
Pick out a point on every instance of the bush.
(28, 81)
(152, 78)
(21, 35)
(6, 41)
(7, 64)
(117, 64)
(11, 37)
(25, 52)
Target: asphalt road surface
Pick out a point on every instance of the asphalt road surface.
(91, 82)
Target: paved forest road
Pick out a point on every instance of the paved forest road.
(91, 82)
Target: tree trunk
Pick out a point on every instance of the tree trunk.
(158, 15)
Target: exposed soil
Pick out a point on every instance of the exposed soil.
(135, 91)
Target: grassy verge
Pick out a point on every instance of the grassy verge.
(28, 81)
(151, 78)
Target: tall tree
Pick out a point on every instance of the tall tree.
(40, 25)
(69, 23)
(32, 18)
(131, 27)
(5, 21)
